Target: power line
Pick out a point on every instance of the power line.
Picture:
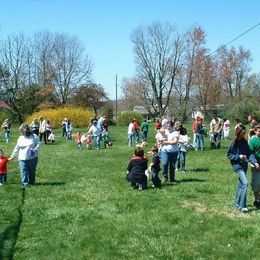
(242, 34)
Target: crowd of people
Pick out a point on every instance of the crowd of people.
(172, 144)
(168, 155)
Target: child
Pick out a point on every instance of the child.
(89, 141)
(254, 144)
(160, 137)
(155, 167)
(136, 170)
(78, 140)
(51, 137)
(239, 154)
(107, 140)
(3, 167)
(183, 143)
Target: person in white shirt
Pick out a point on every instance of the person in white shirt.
(130, 133)
(169, 153)
(27, 150)
(42, 129)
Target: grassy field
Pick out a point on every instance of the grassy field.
(83, 208)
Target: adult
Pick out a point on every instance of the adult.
(252, 123)
(169, 153)
(42, 129)
(239, 153)
(35, 126)
(198, 133)
(27, 150)
(48, 129)
(130, 133)
(64, 126)
(137, 131)
(96, 132)
(237, 120)
(157, 125)
(226, 128)
(216, 127)
(7, 128)
(144, 129)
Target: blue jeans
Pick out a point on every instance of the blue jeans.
(27, 171)
(240, 199)
(97, 141)
(181, 165)
(7, 137)
(215, 140)
(130, 140)
(169, 158)
(199, 141)
(3, 178)
(144, 135)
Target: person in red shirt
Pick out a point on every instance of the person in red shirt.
(3, 167)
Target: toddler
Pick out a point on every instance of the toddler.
(78, 140)
(3, 167)
(155, 167)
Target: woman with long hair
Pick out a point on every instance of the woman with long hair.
(239, 155)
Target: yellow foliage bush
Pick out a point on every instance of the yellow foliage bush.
(80, 117)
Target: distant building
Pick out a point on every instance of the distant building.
(208, 111)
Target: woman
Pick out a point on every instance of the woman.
(239, 154)
(169, 153)
(27, 150)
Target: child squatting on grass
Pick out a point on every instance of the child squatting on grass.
(254, 144)
(239, 155)
(136, 170)
(3, 167)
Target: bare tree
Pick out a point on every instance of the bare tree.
(15, 59)
(195, 43)
(158, 49)
(234, 69)
(71, 66)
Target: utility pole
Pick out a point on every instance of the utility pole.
(116, 96)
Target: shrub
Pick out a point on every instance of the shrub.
(80, 117)
(126, 117)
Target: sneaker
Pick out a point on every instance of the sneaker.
(183, 171)
(244, 210)
(1, 184)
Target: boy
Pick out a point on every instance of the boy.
(3, 167)
(254, 144)
(155, 167)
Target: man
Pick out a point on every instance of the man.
(216, 127)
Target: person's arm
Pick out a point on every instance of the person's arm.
(231, 155)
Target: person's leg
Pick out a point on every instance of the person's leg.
(164, 161)
(24, 172)
(172, 161)
(156, 180)
(218, 137)
(5, 177)
(183, 160)
(32, 164)
(242, 189)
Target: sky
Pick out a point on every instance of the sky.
(105, 27)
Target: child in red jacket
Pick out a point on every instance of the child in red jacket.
(3, 167)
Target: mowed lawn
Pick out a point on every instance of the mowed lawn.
(83, 208)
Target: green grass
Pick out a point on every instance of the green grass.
(83, 208)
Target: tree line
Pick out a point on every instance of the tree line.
(176, 73)
(47, 70)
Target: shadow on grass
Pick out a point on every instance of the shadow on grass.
(199, 170)
(55, 183)
(10, 234)
(191, 180)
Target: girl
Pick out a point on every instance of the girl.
(78, 140)
(239, 154)
(136, 170)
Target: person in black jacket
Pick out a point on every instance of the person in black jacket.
(155, 168)
(136, 169)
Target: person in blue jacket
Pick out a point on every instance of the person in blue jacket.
(240, 154)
